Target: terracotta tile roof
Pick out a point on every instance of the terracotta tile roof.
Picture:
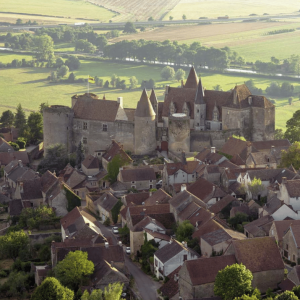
(192, 80)
(207, 227)
(207, 156)
(114, 149)
(158, 235)
(216, 208)
(91, 162)
(272, 175)
(107, 201)
(228, 164)
(130, 114)
(89, 107)
(167, 219)
(260, 158)
(147, 210)
(209, 268)
(7, 157)
(140, 226)
(32, 189)
(283, 226)
(177, 187)
(258, 254)
(138, 174)
(73, 177)
(222, 235)
(293, 188)
(267, 145)
(171, 288)
(235, 146)
(136, 198)
(200, 217)
(158, 197)
(236, 188)
(272, 205)
(15, 207)
(190, 167)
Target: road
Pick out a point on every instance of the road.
(145, 285)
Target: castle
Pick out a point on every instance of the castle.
(189, 118)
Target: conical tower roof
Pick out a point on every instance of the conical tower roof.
(199, 99)
(153, 98)
(144, 107)
(192, 80)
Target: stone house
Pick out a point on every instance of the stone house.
(261, 160)
(5, 146)
(259, 227)
(254, 208)
(158, 197)
(104, 206)
(31, 191)
(133, 199)
(210, 156)
(158, 237)
(226, 202)
(170, 289)
(294, 275)
(216, 242)
(90, 165)
(114, 149)
(290, 192)
(138, 178)
(171, 256)
(270, 207)
(212, 174)
(291, 243)
(7, 157)
(285, 212)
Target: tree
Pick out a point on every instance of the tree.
(290, 100)
(72, 77)
(217, 87)
(51, 289)
(20, 117)
(292, 132)
(256, 187)
(19, 22)
(239, 137)
(184, 231)
(12, 243)
(279, 135)
(167, 73)
(287, 295)
(59, 62)
(43, 106)
(239, 218)
(73, 63)
(233, 281)
(35, 124)
(113, 168)
(18, 283)
(180, 74)
(129, 28)
(291, 156)
(7, 118)
(63, 71)
(15, 146)
(170, 18)
(113, 79)
(183, 17)
(73, 269)
(113, 291)
(124, 234)
(106, 84)
(296, 290)
(133, 82)
(150, 19)
(44, 46)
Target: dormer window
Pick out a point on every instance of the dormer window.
(215, 117)
(172, 109)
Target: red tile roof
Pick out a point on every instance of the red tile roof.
(190, 167)
(91, 162)
(114, 149)
(216, 208)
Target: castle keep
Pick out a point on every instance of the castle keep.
(189, 118)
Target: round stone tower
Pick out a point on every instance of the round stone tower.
(58, 126)
(144, 127)
(179, 133)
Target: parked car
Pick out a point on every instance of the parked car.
(115, 230)
(159, 184)
(128, 251)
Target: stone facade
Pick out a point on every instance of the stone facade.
(289, 247)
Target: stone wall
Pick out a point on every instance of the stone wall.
(136, 241)
(267, 279)
(39, 238)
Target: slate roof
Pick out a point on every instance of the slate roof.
(221, 235)
(107, 201)
(258, 254)
(293, 188)
(158, 235)
(190, 167)
(209, 268)
(188, 211)
(192, 80)
(267, 145)
(260, 158)
(20, 173)
(47, 180)
(4, 145)
(272, 205)
(32, 189)
(179, 200)
(216, 208)
(91, 162)
(144, 221)
(114, 149)
(89, 107)
(138, 174)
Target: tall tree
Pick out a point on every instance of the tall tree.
(73, 269)
(113, 291)
(129, 28)
(44, 45)
(35, 124)
(51, 289)
(73, 62)
(167, 73)
(7, 118)
(291, 156)
(184, 231)
(113, 168)
(20, 117)
(180, 74)
(256, 187)
(293, 128)
(287, 295)
(233, 281)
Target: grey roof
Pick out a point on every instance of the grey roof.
(107, 201)
(216, 237)
(199, 99)
(144, 107)
(170, 250)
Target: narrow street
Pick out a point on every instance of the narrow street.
(145, 285)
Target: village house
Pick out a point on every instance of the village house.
(259, 227)
(158, 237)
(223, 206)
(5, 146)
(170, 289)
(291, 243)
(90, 165)
(171, 256)
(294, 275)
(8, 157)
(31, 191)
(290, 192)
(210, 157)
(138, 178)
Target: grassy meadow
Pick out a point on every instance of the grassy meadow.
(30, 87)
(194, 9)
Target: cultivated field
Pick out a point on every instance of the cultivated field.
(54, 11)
(139, 10)
(248, 39)
(30, 87)
(194, 9)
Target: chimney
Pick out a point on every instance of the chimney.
(120, 101)
(250, 100)
(184, 244)
(143, 203)
(156, 202)
(183, 187)
(120, 243)
(167, 89)
(284, 180)
(213, 149)
(234, 96)
(150, 194)
(214, 188)
(20, 163)
(8, 150)
(106, 244)
(176, 277)
(183, 158)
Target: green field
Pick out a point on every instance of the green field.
(58, 8)
(30, 87)
(193, 9)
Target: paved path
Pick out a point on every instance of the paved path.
(145, 285)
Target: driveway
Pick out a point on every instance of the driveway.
(145, 285)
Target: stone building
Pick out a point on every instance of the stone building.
(189, 119)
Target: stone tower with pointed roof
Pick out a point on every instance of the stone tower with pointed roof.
(192, 80)
(199, 108)
(154, 103)
(144, 127)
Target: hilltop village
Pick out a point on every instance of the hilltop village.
(161, 197)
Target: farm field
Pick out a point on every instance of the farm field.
(139, 10)
(30, 87)
(194, 9)
(248, 39)
(67, 9)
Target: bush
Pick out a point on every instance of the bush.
(107, 222)
(3, 274)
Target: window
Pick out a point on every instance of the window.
(287, 247)
(151, 186)
(208, 125)
(198, 110)
(294, 258)
(215, 116)
(151, 180)
(104, 127)
(184, 257)
(84, 140)
(133, 186)
(132, 181)
(84, 125)
(220, 126)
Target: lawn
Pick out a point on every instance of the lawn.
(7, 57)
(193, 9)
(30, 87)
(57, 8)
